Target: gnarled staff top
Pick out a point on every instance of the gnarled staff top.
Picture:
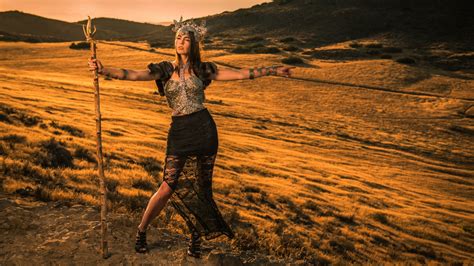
(88, 32)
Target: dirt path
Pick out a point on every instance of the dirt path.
(45, 232)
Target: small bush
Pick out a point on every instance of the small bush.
(70, 129)
(257, 45)
(42, 194)
(291, 48)
(151, 165)
(355, 45)
(406, 60)
(9, 114)
(254, 39)
(292, 60)
(380, 217)
(53, 154)
(80, 45)
(267, 50)
(373, 52)
(341, 244)
(310, 205)
(14, 138)
(374, 45)
(114, 133)
(288, 40)
(3, 150)
(143, 184)
(83, 153)
(250, 189)
(392, 50)
(241, 50)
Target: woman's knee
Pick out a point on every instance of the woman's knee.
(167, 188)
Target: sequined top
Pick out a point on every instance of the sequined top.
(186, 98)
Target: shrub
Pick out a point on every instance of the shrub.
(380, 217)
(288, 40)
(392, 50)
(143, 184)
(291, 48)
(406, 60)
(83, 153)
(292, 60)
(241, 50)
(250, 189)
(355, 45)
(254, 39)
(80, 45)
(151, 165)
(70, 129)
(3, 150)
(267, 50)
(257, 45)
(13, 138)
(373, 52)
(374, 45)
(53, 154)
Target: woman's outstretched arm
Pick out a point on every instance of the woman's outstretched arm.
(121, 73)
(251, 73)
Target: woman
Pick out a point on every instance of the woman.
(192, 141)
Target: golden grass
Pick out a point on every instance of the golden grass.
(321, 170)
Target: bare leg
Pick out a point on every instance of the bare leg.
(155, 205)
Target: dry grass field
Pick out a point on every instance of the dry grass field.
(355, 160)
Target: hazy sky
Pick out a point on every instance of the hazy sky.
(153, 11)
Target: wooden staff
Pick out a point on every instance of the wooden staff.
(89, 33)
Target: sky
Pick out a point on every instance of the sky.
(152, 11)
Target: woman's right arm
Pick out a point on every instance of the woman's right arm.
(120, 73)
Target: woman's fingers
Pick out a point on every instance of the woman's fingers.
(94, 64)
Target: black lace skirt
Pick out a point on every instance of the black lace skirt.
(190, 156)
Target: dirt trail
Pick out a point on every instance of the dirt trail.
(45, 232)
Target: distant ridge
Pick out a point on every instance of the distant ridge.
(314, 22)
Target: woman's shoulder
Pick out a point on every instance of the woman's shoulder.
(207, 69)
(164, 67)
(208, 65)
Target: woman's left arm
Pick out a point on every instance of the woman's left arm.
(251, 73)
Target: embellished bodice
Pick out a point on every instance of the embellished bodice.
(185, 98)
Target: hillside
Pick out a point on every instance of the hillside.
(37, 27)
(312, 23)
(350, 161)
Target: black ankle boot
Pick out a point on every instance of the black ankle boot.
(140, 243)
(194, 248)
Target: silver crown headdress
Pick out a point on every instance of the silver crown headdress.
(198, 30)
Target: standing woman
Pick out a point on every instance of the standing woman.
(192, 142)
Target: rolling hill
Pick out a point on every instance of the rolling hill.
(316, 23)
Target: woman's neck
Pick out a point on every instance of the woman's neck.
(184, 59)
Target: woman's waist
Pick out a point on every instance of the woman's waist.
(191, 116)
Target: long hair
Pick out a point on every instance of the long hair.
(194, 55)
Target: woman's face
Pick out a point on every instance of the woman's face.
(182, 43)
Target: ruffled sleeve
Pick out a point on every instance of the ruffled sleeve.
(207, 71)
(165, 70)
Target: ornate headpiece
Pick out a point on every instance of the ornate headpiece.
(199, 30)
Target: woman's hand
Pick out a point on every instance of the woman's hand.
(284, 71)
(95, 64)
